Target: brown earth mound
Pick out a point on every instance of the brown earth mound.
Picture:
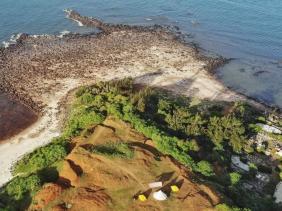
(98, 182)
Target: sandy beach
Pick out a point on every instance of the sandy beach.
(40, 71)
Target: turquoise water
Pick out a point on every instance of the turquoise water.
(248, 30)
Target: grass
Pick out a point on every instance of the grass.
(120, 205)
(113, 150)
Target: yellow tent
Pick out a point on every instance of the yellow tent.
(142, 197)
(174, 188)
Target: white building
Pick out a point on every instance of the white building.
(270, 129)
(239, 164)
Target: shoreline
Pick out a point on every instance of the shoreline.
(41, 71)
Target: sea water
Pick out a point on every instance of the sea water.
(250, 31)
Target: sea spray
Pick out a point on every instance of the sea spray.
(68, 12)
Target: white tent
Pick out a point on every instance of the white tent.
(159, 196)
(155, 184)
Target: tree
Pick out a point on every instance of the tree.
(195, 125)
(227, 128)
(215, 131)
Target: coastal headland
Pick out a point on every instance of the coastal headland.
(39, 71)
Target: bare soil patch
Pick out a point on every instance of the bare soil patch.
(105, 183)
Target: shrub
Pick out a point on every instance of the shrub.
(170, 145)
(243, 198)
(41, 157)
(21, 185)
(255, 128)
(234, 178)
(205, 168)
(86, 98)
(16, 195)
(80, 91)
(82, 118)
(115, 109)
(265, 169)
(225, 207)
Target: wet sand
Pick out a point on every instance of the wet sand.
(40, 71)
(14, 117)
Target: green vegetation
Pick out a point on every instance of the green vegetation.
(42, 157)
(205, 168)
(279, 169)
(17, 193)
(224, 207)
(227, 128)
(31, 172)
(234, 178)
(277, 137)
(197, 134)
(183, 129)
(252, 200)
(82, 117)
(113, 150)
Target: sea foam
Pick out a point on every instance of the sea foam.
(63, 33)
(13, 40)
(68, 12)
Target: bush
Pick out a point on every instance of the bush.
(265, 169)
(86, 98)
(255, 128)
(82, 118)
(234, 178)
(16, 195)
(173, 146)
(21, 185)
(111, 149)
(205, 168)
(225, 207)
(80, 91)
(227, 128)
(41, 157)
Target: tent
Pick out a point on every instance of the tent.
(174, 188)
(142, 197)
(159, 195)
(155, 184)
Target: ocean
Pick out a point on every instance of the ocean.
(249, 31)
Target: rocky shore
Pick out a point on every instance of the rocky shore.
(34, 66)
